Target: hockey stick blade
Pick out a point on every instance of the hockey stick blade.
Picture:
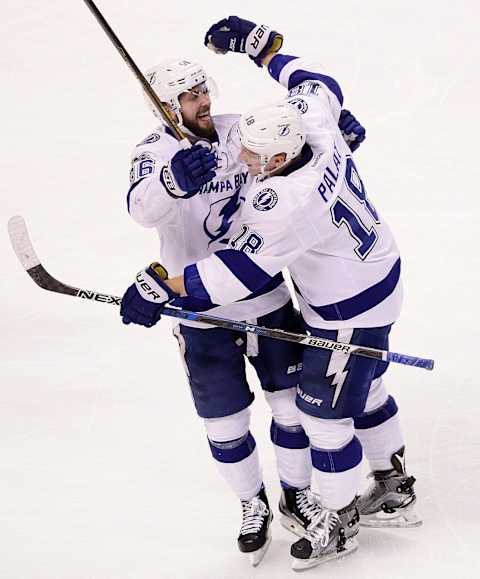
(23, 248)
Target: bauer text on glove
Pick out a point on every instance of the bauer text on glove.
(234, 34)
(145, 299)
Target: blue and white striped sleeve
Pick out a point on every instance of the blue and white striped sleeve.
(230, 275)
(291, 71)
(264, 245)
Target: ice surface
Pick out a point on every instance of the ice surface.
(105, 472)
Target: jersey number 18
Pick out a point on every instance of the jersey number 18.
(343, 214)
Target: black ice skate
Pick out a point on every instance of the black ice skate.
(255, 535)
(390, 500)
(298, 508)
(330, 535)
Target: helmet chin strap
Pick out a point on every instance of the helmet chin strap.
(188, 133)
(176, 110)
(264, 174)
(263, 165)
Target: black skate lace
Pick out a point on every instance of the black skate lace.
(318, 531)
(253, 513)
(307, 505)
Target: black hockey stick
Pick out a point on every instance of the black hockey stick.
(138, 73)
(23, 248)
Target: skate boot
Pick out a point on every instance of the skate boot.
(390, 500)
(255, 535)
(330, 535)
(298, 508)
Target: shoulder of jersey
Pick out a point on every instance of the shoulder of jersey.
(313, 107)
(225, 122)
(157, 142)
(226, 118)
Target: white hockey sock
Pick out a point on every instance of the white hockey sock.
(290, 443)
(292, 451)
(336, 489)
(238, 463)
(380, 433)
(336, 474)
(336, 459)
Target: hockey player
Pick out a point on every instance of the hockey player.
(193, 198)
(308, 210)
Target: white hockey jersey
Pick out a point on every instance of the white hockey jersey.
(316, 220)
(191, 229)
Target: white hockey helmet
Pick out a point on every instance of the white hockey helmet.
(171, 78)
(273, 129)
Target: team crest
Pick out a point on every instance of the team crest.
(153, 138)
(300, 104)
(265, 200)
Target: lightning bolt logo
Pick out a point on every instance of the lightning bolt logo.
(336, 366)
(221, 216)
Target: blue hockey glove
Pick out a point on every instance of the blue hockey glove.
(188, 171)
(351, 129)
(144, 300)
(234, 34)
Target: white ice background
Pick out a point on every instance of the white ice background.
(105, 472)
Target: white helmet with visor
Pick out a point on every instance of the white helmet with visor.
(172, 77)
(273, 129)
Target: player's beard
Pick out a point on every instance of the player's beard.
(201, 128)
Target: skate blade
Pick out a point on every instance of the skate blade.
(257, 556)
(301, 564)
(292, 526)
(401, 518)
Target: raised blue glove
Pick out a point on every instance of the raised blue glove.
(188, 171)
(144, 300)
(351, 129)
(234, 34)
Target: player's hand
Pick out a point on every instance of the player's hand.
(351, 129)
(188, 171)
(144, 300)
(234, 34)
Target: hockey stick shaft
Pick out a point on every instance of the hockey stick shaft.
(137, 72)
(26, 254)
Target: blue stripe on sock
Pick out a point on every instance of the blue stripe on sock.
(233, 450)
(286, 486)
(288, 437)
(378, 416)
(338, 460)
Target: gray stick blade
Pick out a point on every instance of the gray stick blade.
(22, 246)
